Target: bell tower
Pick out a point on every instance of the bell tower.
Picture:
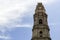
(40, 29)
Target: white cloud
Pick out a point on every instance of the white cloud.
(4, 37)
(11, 9)
(24, 25)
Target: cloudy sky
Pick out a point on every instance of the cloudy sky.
(16, 18)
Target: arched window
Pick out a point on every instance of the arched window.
(40, 33)
(40, 21)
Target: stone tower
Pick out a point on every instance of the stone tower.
(40, 29)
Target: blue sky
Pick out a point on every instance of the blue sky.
(16, 18)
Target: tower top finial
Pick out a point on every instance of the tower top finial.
(40, 6)
(40, 3)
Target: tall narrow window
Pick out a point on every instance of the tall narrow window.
(40, 33)
(40, 21)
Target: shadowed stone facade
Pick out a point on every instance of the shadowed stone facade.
(40, 29)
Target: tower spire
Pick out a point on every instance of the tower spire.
(40, 29)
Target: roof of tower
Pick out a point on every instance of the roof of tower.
(40, 5)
